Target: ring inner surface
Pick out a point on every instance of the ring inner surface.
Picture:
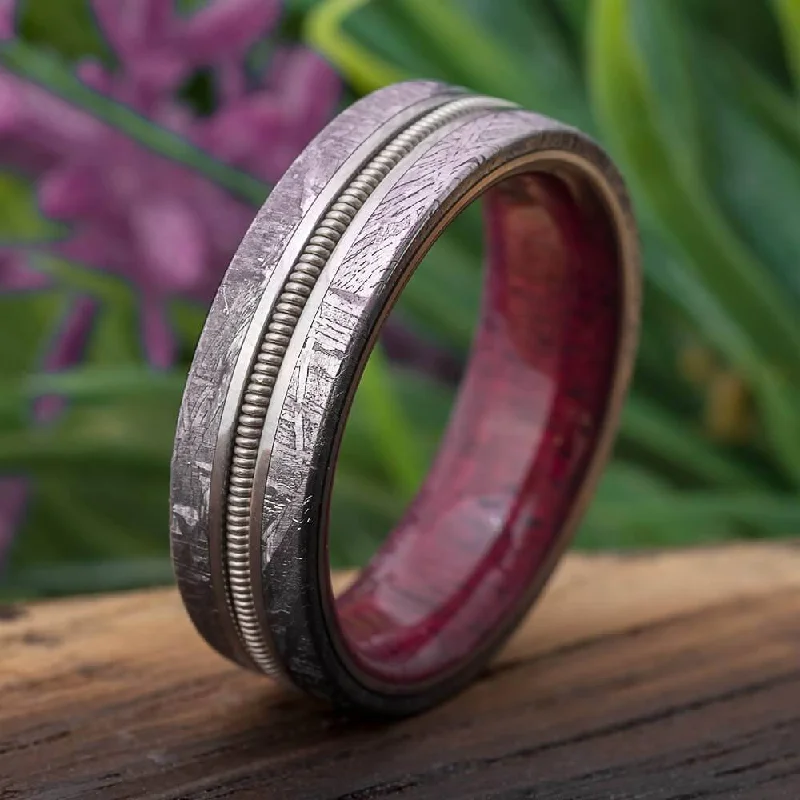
(520, 439)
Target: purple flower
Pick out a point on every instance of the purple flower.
(7, 8)
(160, 225)
(129, 211)
(12, 504)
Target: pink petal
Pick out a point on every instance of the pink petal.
(227, 220)
(306, 82)
(159, 341)
(43, 120)
(155, 72)
(172, 243)
(231, 81)
(69, 192)
(177, 118)
(68, 350)
(12, 110)
(133, 25)
(16, 275)
(252, 126)
(13, 494)
(94, 75)
(226, 28)
(73, 335)
(17, 146)
(7, 13)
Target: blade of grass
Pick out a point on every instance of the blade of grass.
(91, 531)
(324, 30)
(776, 400)
(26, 328)
(476, 56)
(625, 101)
(79, 278)
(47, 452)
(100, 576)
(773, 107)
(395, 437)
(780, 515)
(670, 441)
(21, 220)
(657, 32)
(788, 12)
(739, 284)
(754, 175)
(780, 401)
(101, 384)
(89, 386)
(187, 318)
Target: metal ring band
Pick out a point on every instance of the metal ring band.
(279, 360)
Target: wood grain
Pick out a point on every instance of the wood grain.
(660, 677)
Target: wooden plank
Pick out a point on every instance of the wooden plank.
(660, 677)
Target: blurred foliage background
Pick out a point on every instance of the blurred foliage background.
(698, 100)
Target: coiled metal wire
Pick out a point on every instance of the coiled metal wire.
(280, 326)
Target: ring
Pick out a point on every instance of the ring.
(281, 354)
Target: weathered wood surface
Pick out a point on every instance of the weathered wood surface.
(669, 677)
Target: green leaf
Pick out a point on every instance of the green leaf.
(752, 32)
(623, 482)
(395, 438)
(657, 32)
(520, 54)
(21, 221)
(363, 511)
(370, 489)
(775, 396)
(672, 443)
(754, 175)
(187, 319)
(88, 386)
(574, 14)
(535, 34)
(627, 105)
(101, 385)
(27, 324)
(110, 429)
(363, 69)
(115, 336)
(661, 339)
(676, 279)
(699, 511)
(81, 279)
(86, 516)
(443, 297)
(774, 108)
(788, 12)
(633, 508)
(473, 54)
(780, 402)
(67, 26)
(59, 579)
(424, 406)
(44, 452)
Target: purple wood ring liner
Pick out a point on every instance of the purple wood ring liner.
(279, 361)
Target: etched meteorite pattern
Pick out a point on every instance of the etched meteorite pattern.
(279, 329)
(195, 524)
(315, 643)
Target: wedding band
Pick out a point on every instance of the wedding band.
(279, 361)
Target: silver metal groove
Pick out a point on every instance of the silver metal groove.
(278, 331)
